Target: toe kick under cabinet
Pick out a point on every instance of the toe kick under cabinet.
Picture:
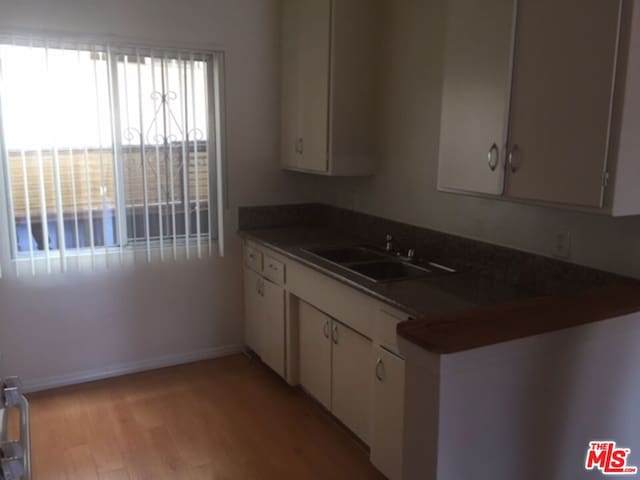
(335, 342)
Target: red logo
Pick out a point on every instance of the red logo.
(610, 460)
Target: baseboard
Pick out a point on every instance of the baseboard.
(47, 383)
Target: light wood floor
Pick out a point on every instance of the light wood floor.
(229, 418)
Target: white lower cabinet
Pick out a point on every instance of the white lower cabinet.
(252, 301)
(315, 353)
(272, 327)
(351, 382)
(265, 320)
(334, 368)
(346, 358)
(387, 427)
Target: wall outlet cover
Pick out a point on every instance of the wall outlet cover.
(562, 245)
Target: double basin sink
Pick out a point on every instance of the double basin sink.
(375, 265)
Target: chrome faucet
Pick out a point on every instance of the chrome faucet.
(388, 246)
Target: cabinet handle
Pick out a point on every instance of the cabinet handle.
(300, 146)
(380, 370)
(335, 334)
(493, 159)
(325, 329)
(515, 160)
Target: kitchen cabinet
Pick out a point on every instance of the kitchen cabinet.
(572, 92)
(334, 368)
(272, 329)
(339, 344)
(475, 99)
(252, 307)
(387, 430)
(351, 382)
(315, 353)
(265, 309)
(328, 85)
(563, 82)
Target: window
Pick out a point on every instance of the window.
(109, 148)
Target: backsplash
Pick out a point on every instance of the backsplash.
(542, 275)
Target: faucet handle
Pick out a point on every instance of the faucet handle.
(388, 244)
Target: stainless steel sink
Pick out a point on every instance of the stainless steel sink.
(374, 265)
(389, 271)
(347, 255)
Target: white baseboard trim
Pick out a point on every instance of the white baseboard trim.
(47, 383)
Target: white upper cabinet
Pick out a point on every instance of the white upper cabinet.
(563, 82)
(328, 86)
(475, 103)
(571, 88)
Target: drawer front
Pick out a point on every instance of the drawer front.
(344, 303)
(274, 270)
(385, 323)
(253, 259)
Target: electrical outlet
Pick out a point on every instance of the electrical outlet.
(562, 245)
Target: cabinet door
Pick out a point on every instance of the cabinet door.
(252, 309)
(315, 353)
(314, 50)
(475, 103)
(291, 99)
(272, 327)
(562, 90)
(351, 380)
(387, 429)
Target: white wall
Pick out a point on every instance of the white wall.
(56, 329)
(528, 409)
(405, 186)
(524, 409)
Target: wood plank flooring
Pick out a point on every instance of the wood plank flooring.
(228, 418)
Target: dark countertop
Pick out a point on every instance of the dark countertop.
(488, 325)
(421, 297)
(460, 311)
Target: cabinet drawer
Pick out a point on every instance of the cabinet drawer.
(274, 270)
(253, 259)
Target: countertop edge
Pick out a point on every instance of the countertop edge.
(490, 325)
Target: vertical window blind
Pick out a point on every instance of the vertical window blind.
(110, 153)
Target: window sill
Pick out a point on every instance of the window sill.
(100, 258)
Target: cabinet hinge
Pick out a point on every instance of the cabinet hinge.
(605, 179)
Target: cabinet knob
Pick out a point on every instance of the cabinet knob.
(325, 329)
(380, 370)
(493, 157)
(515, 159)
